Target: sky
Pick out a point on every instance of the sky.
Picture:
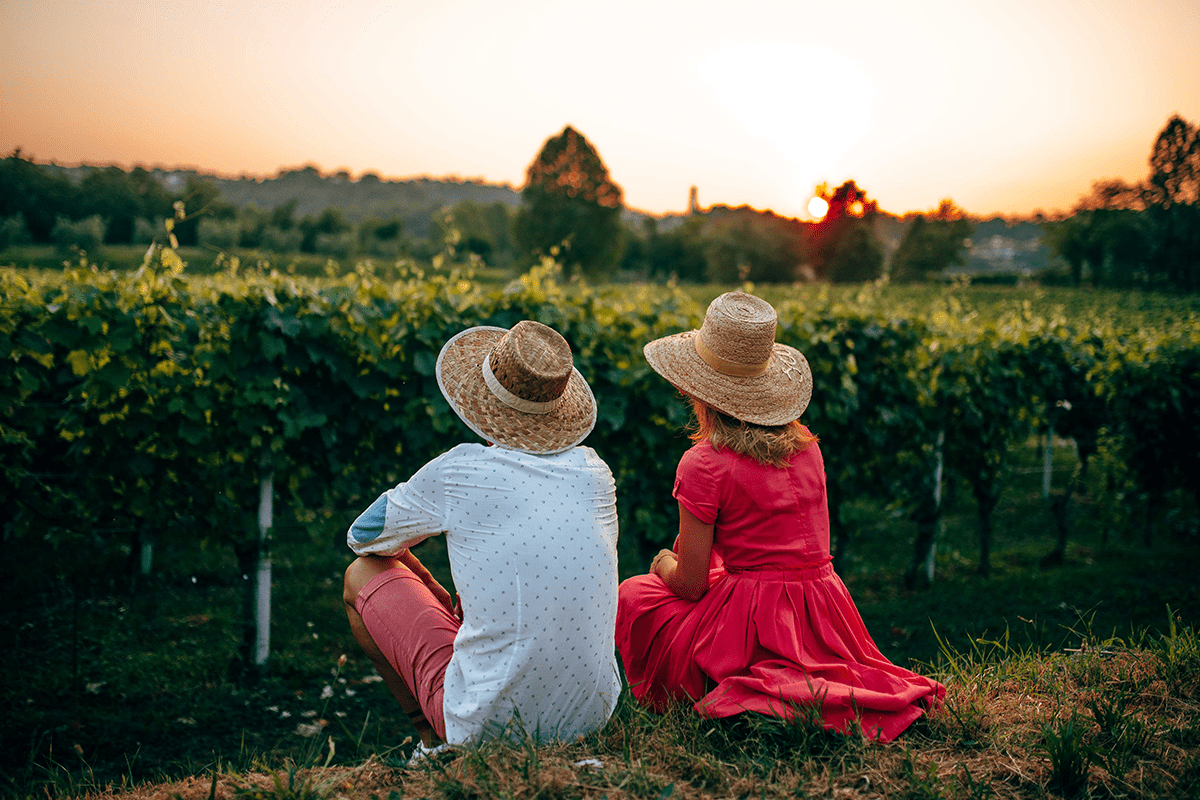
(1004, 107)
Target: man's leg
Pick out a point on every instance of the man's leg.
(359, 574)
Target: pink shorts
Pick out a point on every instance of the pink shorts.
(416, 634)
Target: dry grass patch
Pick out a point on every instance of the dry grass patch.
(1105, 721)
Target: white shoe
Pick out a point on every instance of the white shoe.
(421, 752)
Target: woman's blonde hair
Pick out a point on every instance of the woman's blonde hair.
(772, 445)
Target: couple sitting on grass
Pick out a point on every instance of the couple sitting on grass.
(744, 614)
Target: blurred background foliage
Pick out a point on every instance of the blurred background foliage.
(1125, 235)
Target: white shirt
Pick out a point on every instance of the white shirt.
(532, 544)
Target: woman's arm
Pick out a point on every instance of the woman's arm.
(686, 572)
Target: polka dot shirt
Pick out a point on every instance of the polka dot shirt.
(532, 544)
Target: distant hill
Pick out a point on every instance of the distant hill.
(997, 244)
(412, 200)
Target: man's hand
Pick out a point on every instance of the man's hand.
(439, 592)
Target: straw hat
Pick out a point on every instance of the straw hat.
(734, 364)
(517, 388)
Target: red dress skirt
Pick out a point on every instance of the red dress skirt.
(777, 631)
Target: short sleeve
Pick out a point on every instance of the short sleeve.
(696, 484)
(411, 513)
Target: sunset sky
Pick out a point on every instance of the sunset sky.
(1003, 106)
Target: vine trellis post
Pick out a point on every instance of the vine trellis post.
(1048, 452)
(262, 576)
(939, 465)
(928, 516)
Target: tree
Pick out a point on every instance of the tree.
(932, 243)
(42, 197)
(748, 245)
(1106, 234)
(680, 252)
(843, 246)
(329, 222)
(1175, 165)
(570, 206)
(1173, 200)
(380, 237)
(1069, 240)
(201, 198)
(484, 230)
(110, 194)
(858, 256)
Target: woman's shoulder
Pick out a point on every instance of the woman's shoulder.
(703, 457)
(700, 451)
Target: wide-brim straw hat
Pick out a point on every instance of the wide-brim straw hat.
(517, 387)
(734, 364)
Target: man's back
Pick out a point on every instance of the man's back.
(532, 545)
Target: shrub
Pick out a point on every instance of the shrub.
(14, 231)
(85, 234)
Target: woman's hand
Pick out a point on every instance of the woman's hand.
(686, 573)
(658, 560)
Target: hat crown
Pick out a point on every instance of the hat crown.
(532, 361)
(740, 328)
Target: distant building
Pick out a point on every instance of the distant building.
(693, 201)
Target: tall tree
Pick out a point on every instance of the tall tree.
(1175, 165)
(1173, 200)
(570, 206)
(843, 245)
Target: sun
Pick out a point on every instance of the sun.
(817, 207)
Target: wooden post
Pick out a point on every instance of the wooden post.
(1048, 451)
(147, 555)
(938, 467)
(262, 576)
(928, 516)
(1047, 461)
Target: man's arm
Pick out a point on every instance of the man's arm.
(408, 559)
(365, 538)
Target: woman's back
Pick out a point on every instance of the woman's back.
(762, 515)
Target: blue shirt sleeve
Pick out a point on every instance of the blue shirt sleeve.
(369, 524)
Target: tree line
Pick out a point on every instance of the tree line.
(1135, 235)
(1144, 234)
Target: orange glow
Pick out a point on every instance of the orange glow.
(464, 88)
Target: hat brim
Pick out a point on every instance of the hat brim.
(460, 377)
(776, 397)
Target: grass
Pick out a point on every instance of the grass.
(1012, 728)
(1077, 679)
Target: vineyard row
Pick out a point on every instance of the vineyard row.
(155, 403)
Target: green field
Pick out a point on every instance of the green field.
(143, 683)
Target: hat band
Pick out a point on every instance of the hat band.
(726, 367)
(508, 398)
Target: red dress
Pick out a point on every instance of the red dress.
(777, 629)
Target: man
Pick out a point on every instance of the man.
(531, 530)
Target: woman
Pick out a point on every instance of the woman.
(745, 613)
